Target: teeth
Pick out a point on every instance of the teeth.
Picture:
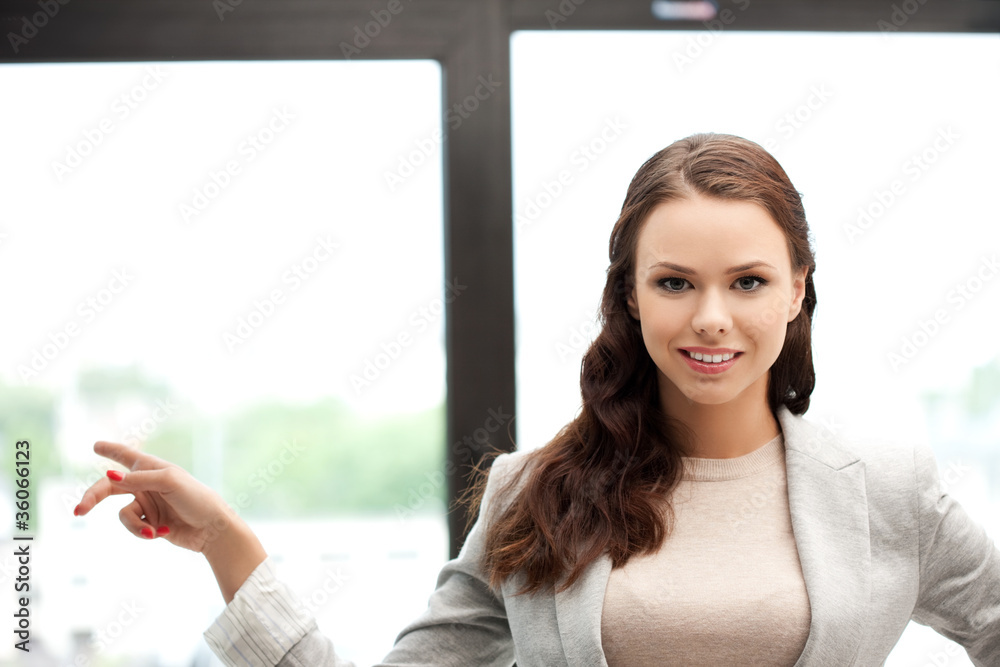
(711, 358)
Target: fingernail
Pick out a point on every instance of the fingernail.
(147, 532)
(162, 530)
(115, 475)
(76, 511)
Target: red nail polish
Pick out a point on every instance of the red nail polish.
(147, 532)
(115, 475)
(76, 511)
(163, 530)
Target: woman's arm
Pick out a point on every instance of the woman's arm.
(170, 503)
(264, 623)
(465, 622)
(233, 555)
(959, 589)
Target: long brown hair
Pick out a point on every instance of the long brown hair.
(603, 482)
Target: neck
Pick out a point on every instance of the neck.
(724, 430)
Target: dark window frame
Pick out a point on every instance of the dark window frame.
(470, 39)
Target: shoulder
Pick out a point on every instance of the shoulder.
(510, 463)
(508, 468)
(892, 465)
(505, 479)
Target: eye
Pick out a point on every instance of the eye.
(747, 281)
(744, 284)
(671, 284)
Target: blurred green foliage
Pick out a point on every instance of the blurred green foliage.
(981, 396)
(103, 387)
(270, 459)
(312, 460)
(28, 413)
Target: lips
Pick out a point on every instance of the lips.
(709, 368)
(711, 350)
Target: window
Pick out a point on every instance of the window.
(236, 266)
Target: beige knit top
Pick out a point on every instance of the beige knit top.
(726, 588)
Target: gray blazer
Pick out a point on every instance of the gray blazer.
(878, 540)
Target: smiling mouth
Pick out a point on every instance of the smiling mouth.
(713, 359)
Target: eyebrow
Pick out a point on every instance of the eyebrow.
(736, 269)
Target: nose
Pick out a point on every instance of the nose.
(712, 314)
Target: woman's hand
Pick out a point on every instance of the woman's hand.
(170, 503)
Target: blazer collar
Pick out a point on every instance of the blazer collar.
(829, 512)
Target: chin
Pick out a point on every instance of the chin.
(708, 398)
(707, 394)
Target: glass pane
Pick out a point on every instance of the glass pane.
(225, 264)
(890, 138)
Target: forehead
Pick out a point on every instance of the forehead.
(709, 234)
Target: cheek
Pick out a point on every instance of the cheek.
(767, 320)
(661, 329)
(657, 320)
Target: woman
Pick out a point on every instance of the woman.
(689, 515)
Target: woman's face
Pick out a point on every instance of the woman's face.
(713, 275)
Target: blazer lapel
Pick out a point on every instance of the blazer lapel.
(829, 511)
(578, 614)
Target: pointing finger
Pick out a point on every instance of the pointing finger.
(162, 480)
(130, 457)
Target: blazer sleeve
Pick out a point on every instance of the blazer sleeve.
(465, 622)
(959, 588)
